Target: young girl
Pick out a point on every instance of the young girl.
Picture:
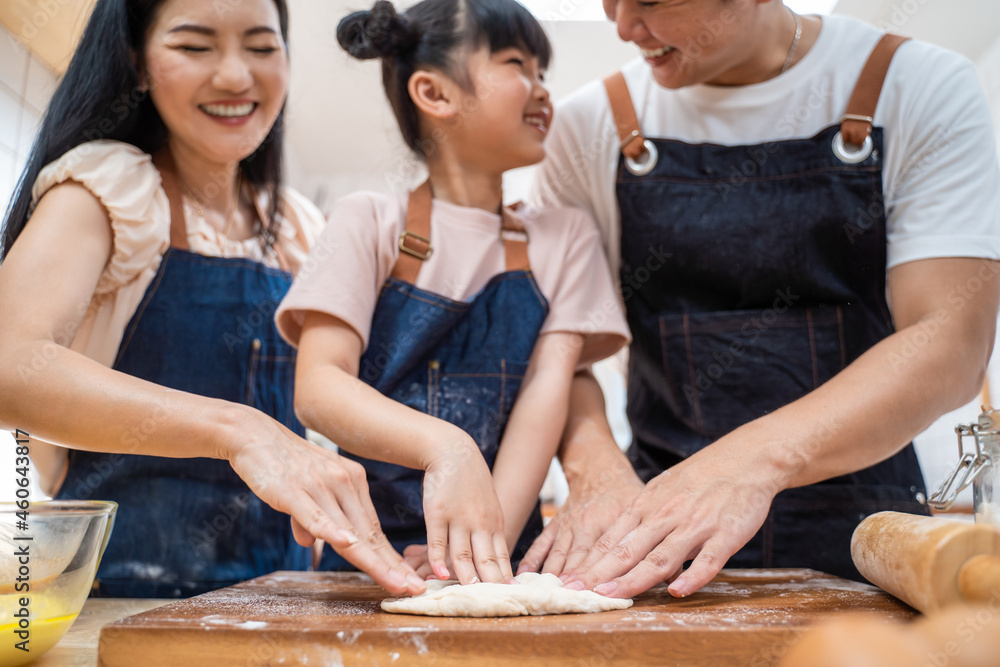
(149, 234)
(428, 314)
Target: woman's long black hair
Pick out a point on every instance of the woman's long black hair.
(100, 97)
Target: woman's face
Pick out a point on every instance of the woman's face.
(687, 42)
(218, 74)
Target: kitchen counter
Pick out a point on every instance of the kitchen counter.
(78, 647)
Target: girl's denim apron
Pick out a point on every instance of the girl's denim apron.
(187, 526)
(748, 293)
(460, 361)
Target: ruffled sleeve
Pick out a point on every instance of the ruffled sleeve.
(301, 224)
(125, 181)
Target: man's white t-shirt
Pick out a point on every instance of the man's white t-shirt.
(940, 175)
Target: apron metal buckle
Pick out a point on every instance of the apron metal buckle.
(840, 149)
(641, 168)
(416, 252)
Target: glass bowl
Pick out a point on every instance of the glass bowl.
(49, 553)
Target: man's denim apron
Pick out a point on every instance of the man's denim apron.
(460, 361)
(187, 526)
(744, 294)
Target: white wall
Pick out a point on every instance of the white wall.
(25, 87)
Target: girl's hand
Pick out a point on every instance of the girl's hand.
(326, 496)
(464, 518)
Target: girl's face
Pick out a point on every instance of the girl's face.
(687, 42)
(506, 116)
(218, 74)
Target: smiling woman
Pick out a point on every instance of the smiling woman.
(149, 233)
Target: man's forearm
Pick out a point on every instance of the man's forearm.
(875, 406)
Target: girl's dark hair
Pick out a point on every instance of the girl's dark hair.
(100, 97)
(427, 36)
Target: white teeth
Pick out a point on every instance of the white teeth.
(229, 110)
(655, 53)
(534, 120)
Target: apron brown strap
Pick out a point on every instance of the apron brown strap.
(515, 241)
(415, 240)
(626, 122)
(164, 163)
(857, 122)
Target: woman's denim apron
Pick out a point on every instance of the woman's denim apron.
(187, 526)
(746, 293)
(460, 361)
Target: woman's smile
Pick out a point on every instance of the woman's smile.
(234, 113)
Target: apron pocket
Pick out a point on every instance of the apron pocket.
(725, 369)
(270, 381)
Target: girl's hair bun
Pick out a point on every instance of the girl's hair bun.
(376, 33)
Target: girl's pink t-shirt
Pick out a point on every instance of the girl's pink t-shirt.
(358, 248)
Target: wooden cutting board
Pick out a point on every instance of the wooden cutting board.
(744, 617)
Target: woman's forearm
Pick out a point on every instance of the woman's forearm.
(51, 463)
(82, 404)
(589, 455)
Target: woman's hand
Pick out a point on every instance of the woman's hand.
(463, 516)
(601, 481)
(326, 496)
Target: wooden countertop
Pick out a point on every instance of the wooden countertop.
(779, 606)
(745, 617)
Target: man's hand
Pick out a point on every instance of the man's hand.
(588, 512)
(704, 508)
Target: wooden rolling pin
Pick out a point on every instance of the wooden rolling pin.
(928, 563)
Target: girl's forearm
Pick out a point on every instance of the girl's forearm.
(361, 420)
(534, 429)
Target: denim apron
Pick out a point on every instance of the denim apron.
(187, 526)
(744, 295)
(459, 361)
